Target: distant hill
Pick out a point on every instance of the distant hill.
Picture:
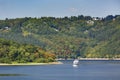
(68, 37)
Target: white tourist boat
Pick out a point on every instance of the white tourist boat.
(75, 63)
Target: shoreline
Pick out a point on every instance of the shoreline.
(99, 58)
(29, 64)
(93, 59)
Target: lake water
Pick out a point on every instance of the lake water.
(87, 70)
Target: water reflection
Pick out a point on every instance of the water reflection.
(75, 66)
(13, 75)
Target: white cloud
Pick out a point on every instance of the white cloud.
(73, 9)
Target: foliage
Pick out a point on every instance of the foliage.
(68, 37)
(13, 52)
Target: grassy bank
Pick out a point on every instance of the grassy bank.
(25, 64)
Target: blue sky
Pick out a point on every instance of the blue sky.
(58, 8)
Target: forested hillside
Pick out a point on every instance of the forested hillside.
(12, 52)
(68, 37)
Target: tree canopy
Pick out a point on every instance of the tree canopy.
(67, 37)
(22, 53)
